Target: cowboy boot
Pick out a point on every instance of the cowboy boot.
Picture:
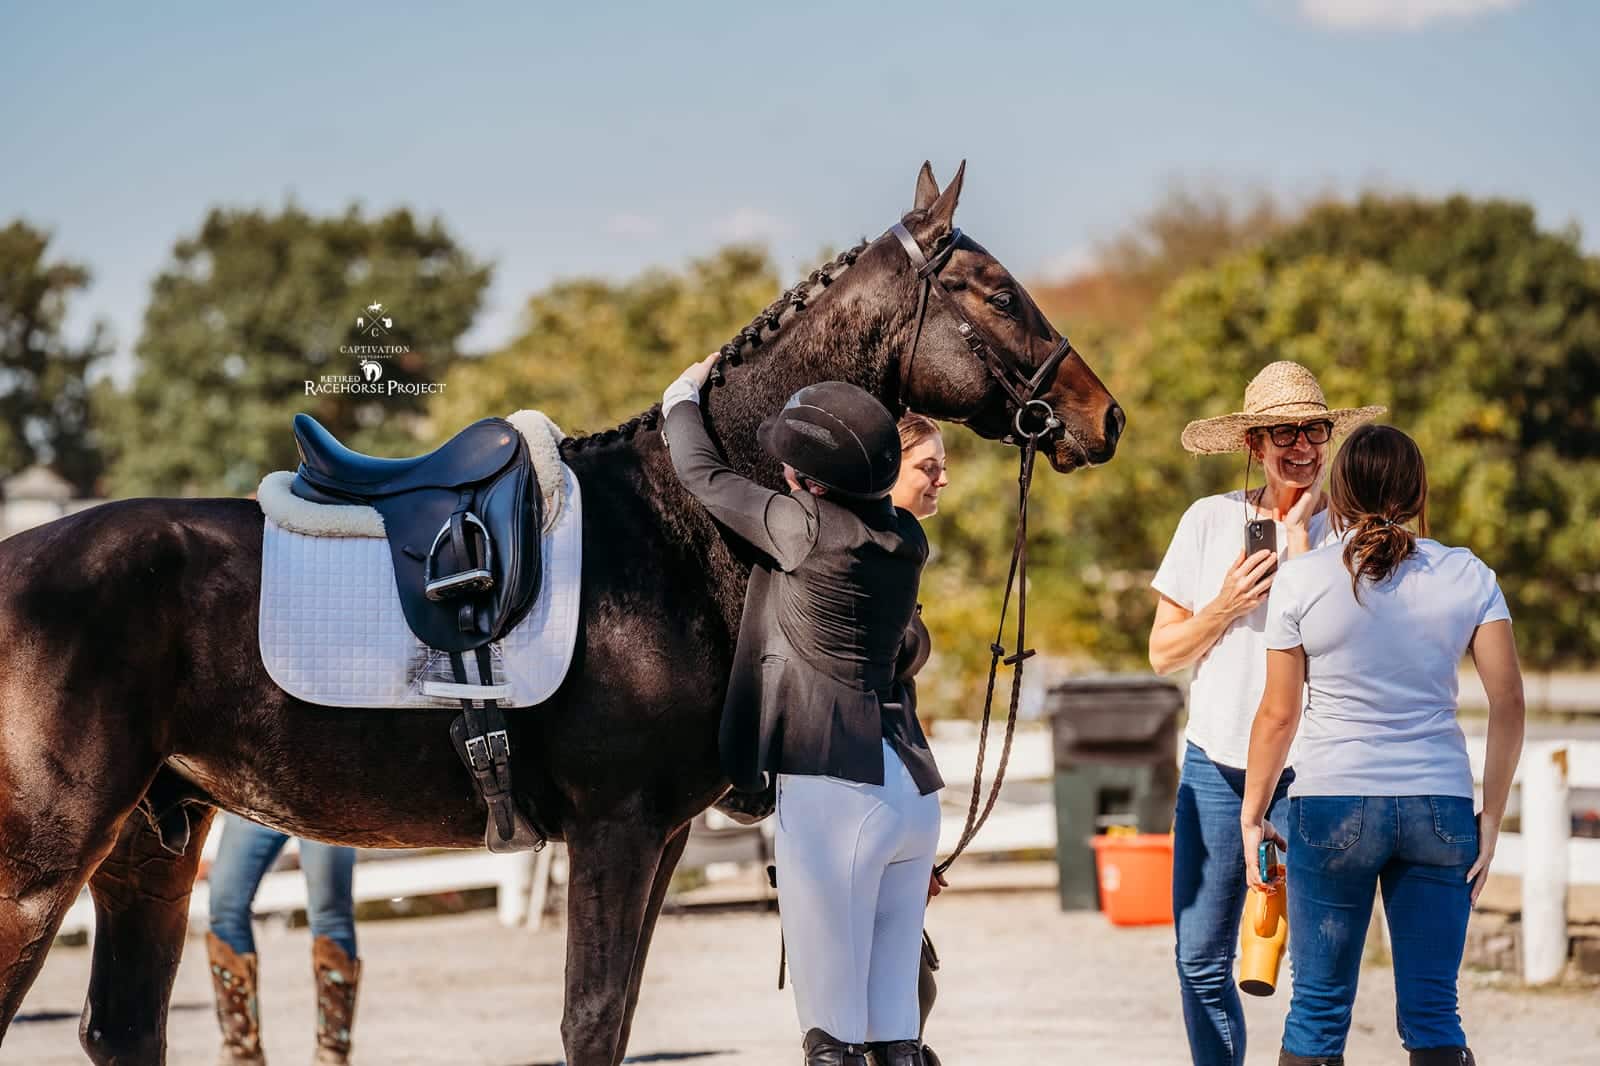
(233, 979)
(1443, 1056)
(337, 976)
(824, 1050)
(1286, 1059)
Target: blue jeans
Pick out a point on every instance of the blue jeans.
(1419, 849)
(246, 854)
(1208, 889)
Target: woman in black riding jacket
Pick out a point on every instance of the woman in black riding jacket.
(813, 699)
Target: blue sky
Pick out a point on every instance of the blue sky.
(562, 139)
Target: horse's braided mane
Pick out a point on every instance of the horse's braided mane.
(744, 343)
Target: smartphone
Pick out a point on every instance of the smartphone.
(1267, 859)
(1258, 534)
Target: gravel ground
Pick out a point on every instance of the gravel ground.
(1023, 983)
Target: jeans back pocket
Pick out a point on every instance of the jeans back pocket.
(1329, 821)
(1453, 819)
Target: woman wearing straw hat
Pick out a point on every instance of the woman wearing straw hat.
(1211, 615)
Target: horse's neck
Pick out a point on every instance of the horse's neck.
(847, 336)
(850, 334)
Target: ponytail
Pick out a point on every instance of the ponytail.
(1378, 484)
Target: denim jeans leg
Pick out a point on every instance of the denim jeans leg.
(1337, 845)
(1427, 901)
(329, 871)
(244, 856)
(1208, 890)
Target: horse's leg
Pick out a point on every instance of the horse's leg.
(65, 788)
(141, 902)
(658, 894)
(613, 866)
(37, 888)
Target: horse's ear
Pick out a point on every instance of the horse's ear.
(942, 212)
(927, 188)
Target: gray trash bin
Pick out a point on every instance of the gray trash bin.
(1115, 742)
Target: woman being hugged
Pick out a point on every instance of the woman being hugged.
(1383, 792)
(1212, 615)
(924, 475)
(813, 699)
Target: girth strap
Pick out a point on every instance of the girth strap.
(481, 740)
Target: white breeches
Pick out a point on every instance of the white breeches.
(853, 866)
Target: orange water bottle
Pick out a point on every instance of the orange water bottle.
(1264, 929)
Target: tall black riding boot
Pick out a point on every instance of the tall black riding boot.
(823, 1049)
(1286, 1059)
(1443, 1056)
(902, 1053)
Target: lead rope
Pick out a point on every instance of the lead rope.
(1018, 577)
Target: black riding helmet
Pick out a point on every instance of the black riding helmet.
(839, 436)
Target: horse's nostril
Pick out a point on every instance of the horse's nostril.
(1115, 420)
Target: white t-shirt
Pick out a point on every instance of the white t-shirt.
(1380, 715)
(1229, 678)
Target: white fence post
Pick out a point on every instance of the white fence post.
(541, 887)
(1546, 829)
(516, 880)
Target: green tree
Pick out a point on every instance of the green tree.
(1097, 536)
(1191, 227)
(1539, 297)
(44, 392)
(1539, 289)
(253, 306)
(1372, 335)
(594, 352)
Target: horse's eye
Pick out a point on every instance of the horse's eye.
(1003, 301)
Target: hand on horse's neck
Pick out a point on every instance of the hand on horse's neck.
(850, 332)
(803, 353)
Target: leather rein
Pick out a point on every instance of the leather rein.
(1033, 421)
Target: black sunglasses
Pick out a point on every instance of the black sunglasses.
(1283, 435)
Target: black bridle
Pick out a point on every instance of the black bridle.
(1034, 419)
(1033, 416)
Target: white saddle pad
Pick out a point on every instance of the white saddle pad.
(333, 632)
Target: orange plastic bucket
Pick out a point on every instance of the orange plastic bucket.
(1135, 878)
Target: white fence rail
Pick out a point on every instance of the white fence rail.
(1544, 854)
(284, 891)
(1013, 825)
(1538, 768)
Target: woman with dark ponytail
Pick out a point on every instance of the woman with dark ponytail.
(1374, 627)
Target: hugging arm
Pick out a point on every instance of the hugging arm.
(775, 523)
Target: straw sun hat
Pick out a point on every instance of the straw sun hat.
(1281, 392)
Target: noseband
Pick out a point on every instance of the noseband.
(1034, 417)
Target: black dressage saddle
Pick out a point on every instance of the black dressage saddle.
(464, 526)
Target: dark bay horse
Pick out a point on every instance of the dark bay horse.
(130, 680)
